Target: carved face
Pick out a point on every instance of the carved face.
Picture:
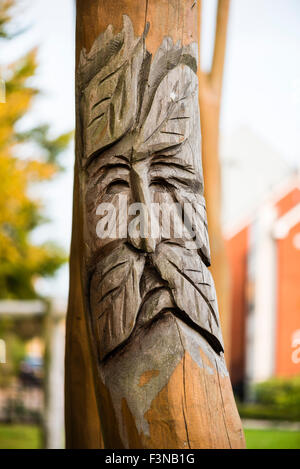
(141, 145)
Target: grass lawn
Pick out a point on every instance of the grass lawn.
(19, 436)
(272, 439)
(29, 437)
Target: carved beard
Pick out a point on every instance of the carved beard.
(129, 290)
(141, 136)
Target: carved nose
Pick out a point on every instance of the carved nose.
(139, 182)
(143, 244)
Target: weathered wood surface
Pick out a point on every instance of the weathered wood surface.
(81, 413)
(145, 314)
(210, 92)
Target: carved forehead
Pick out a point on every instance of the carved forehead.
(128, 96)
(180, 156)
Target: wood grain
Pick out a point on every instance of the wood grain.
(143, 313)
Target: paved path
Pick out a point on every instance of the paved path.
(270, 424)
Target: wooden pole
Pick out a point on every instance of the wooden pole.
(210, 92)
(142, 307)
(81, 413)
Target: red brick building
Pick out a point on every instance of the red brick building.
(264, 254)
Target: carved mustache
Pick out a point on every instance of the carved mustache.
(129, 289)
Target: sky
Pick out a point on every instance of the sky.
(261, 89)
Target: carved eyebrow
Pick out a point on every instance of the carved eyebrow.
(124, 164)
(168, 181)
(178, 164)
(123, 157)
(108, 166)
(103, 170)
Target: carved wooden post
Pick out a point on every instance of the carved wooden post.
(146, 300)
(210, 91)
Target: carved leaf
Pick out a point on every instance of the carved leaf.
(193, 289)
(115, 298)
(197, 221)
(167, 57)
(109, 100)
(173, 112)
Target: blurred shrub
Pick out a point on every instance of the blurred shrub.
(15, 411)
(15, 354)
(284, 394)
(275, 399)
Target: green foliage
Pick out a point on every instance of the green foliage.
(16, 333)
(275, 399)
(5, 16)
(15, 353)
(52, 147)
(21, 261)
(264, 412)
(282, 394)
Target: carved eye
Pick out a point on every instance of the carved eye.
(117, 186)
(161, 185)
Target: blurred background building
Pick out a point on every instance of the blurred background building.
(264, 254)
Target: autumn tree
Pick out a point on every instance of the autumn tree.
(21, 261)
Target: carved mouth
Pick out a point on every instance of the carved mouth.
(129, 290)
(158, 302)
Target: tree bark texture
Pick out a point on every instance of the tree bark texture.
(143, 340)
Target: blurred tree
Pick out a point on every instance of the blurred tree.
(210, 93)
(21, 261)
(5, 17)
